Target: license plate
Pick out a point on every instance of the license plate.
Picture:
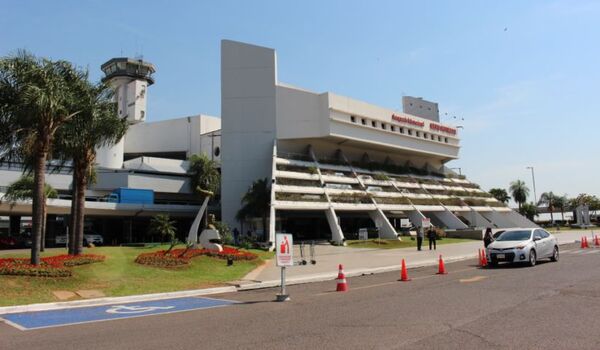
(500, 256)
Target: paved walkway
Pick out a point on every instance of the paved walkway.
(358, 260)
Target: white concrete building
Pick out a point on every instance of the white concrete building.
(337, 163)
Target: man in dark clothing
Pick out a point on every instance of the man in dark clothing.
(488, 237)
(432, 236)
(420, 236)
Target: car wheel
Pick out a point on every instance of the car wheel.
(532, 258)
(555, 254)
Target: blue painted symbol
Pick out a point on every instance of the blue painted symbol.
(55, 318)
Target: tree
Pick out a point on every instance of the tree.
(519, 192)
(585, 199)
(204, 175)
(500, 194)
(257, 202)
(561, 202)
(548, 199)
(162, 225)
(21, 190)
(97, 125)
(36, 99)
(529, 210)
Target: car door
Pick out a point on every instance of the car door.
(549, 243)
(539, 244)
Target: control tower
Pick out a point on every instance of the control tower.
(130, 79)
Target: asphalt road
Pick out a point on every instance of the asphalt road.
(550, 306)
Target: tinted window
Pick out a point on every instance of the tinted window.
(514, 236)
(544, 234)
(538, 234)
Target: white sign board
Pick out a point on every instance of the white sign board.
(426, 222)
(285, 250)
(363, 234)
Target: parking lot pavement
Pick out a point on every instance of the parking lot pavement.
(552, 305)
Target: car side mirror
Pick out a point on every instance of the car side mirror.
(536, 238)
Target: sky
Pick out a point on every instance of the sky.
(521, 77)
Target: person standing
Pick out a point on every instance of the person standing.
(432, 236)
(236, 237)
(420, 236)
(488, 237)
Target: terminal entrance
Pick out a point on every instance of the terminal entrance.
(304, 225)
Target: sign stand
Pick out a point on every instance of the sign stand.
(284, 249)
(283, 296)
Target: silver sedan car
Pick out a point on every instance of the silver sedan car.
(523, 245)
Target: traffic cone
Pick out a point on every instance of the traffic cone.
(484, 261)
(342, 285)
(441, 267)
(404, 273)
(585, 241)
(596, 241)
(582, 242)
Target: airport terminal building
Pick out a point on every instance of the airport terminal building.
(335, 164)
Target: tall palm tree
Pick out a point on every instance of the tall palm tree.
(519, 192)
(97, 125)
(548, 199)
(35, 101)
(256, 202)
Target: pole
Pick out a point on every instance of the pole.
(282, 296)
(534, 192)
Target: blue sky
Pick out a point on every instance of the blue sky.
(523, 74)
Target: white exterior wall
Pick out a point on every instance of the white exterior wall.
(248, 108)
(173, 135)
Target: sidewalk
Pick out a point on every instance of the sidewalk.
(357, 261)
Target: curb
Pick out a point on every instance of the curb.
(219, 290)
(113, 300)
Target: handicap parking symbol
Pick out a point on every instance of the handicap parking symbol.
(135, 309)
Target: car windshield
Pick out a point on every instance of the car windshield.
(514, 236)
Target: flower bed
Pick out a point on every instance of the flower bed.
(52, 266)
(182, 257)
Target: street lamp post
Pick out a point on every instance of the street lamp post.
(533, 178)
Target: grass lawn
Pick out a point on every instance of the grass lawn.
(405, 243)
(119, 275)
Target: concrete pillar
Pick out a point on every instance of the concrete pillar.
(477, 220)
(416, 217)
(336, 230)
(449, 220)
(519, 219)
(499, 220)
(386, 230)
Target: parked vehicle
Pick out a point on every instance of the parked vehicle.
(88, 237)
(131, 195)
(524, 246)
(7, 242)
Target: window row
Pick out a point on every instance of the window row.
(401, 130)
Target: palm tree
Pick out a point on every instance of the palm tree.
(257, 202)
(500, 194)
(548, 199)
(561, 202)
(97, 125)
(519, 192)
(162, 225)
(35, 101)
(204, 173)
(21, 190)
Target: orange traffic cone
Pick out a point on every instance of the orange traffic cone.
(582, 242)
(596, 241)
(484, 260)
(441, 267)
(342, 284)
(404, 273)
(586, 242)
